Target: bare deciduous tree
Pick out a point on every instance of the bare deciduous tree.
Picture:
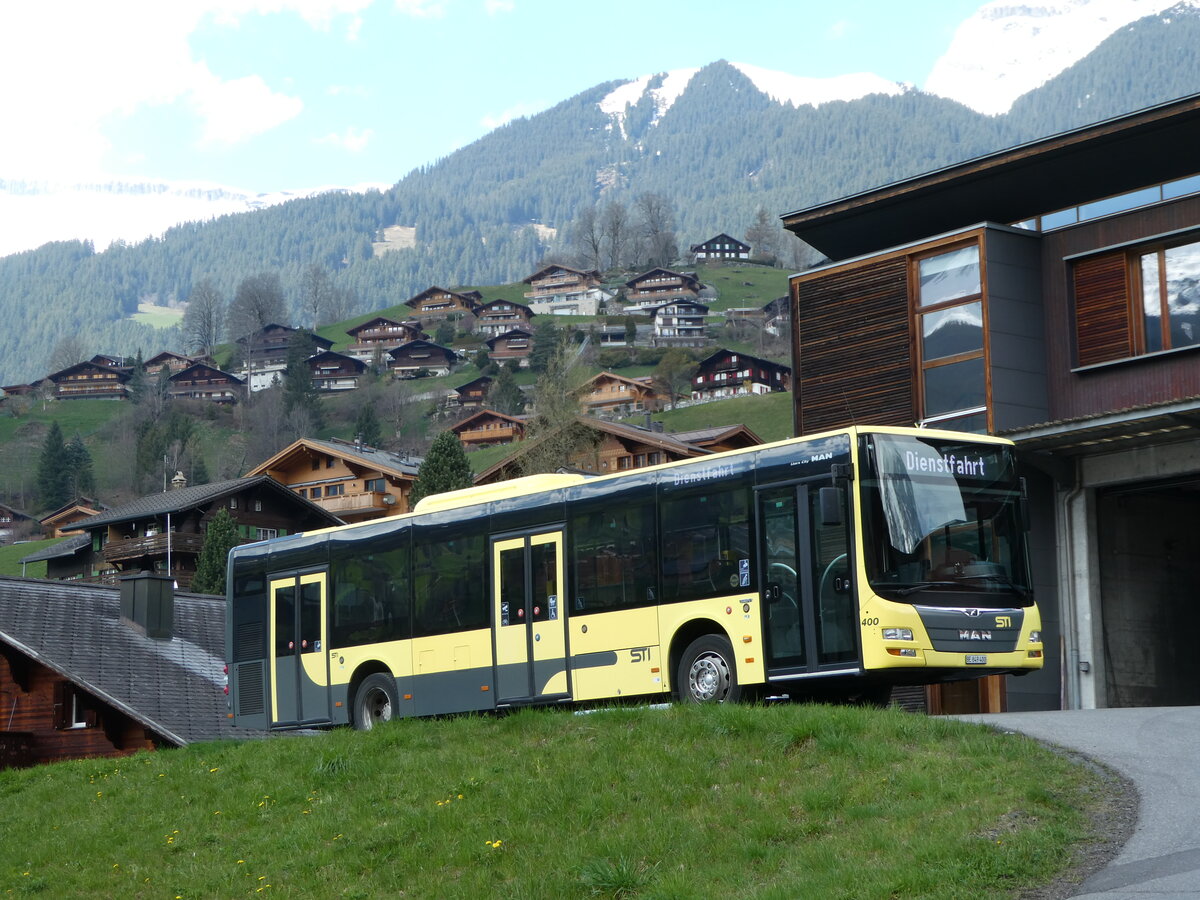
(614, 225)
(656, 228)
(204, 318)
(587, 237)
(69, 350)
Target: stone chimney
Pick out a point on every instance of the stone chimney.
(179, 482)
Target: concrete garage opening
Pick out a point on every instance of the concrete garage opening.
(1149, 545)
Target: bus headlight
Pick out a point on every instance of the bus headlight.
(897, 634)
(1035, 637)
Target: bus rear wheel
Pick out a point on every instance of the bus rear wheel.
(707, 672)
(375, 701)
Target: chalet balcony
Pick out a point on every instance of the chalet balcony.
(498, 435)
(153, 545)
(361, 502)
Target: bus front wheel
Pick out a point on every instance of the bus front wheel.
(375, 701)
(707, 672)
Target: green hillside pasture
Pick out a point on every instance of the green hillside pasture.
(157, 316)
(11, 554)
(713, 801)
(767, 415)
(743, 285)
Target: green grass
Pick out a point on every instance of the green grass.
(781, 802)
(157, 316)
(10, 558)
(767, 415)
(744, 285)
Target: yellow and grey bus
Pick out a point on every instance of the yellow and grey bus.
(849, 561)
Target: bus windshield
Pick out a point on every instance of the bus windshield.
(941, 522)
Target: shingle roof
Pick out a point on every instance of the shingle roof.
(66, 547)
(370, 456)
(173, 687)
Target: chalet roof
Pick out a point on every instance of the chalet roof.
(481, 381)
(165, 356)
(756, 360)
(686, 276)
(468, 301)
(13, 511)
(326, 355)
(107, 359)
(645, 385)
(85, 504)
(487, 414)
(722, 238)
(654, 439)
(173, 687)
(705, 437)
(695, 304)
(200, 368)
(198, 495)
(68, 546)
(511, 333)
(418, 344)
(1131, 151)
(380, 460)
(545, 270)
(514, 304)
(381, 320)
(322, 343)
(122, 375)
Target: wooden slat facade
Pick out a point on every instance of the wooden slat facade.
(1103, 330)
(853, 348)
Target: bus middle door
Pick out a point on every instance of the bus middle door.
(530, 625)
(299, 664)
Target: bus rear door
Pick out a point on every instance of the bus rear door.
(530, 623)
(299, 661)
(807, 596)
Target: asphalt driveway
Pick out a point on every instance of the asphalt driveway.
(1158, 749)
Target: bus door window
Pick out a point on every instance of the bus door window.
(834, 598)
(300, 668)
(782, 591)
(530, 634)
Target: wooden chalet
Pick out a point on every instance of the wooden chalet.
(350, 480)
(107, 359)
(18, 390)
(172, 362)
(729, 374)
(720, 247)
(615, 395)
(421, 357)
(11, 519)
(91, 671)
(487, 427)
(659, 286)
(613, 335)
(777, 316)
(71, 559)
(562, 290)
(266, 353)
(90, 380)
(61, 522)
(439, 303)
(201, 381)
(474, 393)
(381, 334)
(720, 438)
(515, 344)
(333, 371)
(680, 323)
(499, 316)
(145, 534)
(615, 448)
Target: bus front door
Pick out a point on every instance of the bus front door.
(807, 598)
(299, 662)
(530, 627)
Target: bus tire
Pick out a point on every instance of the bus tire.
(375, 701)
(708, 672)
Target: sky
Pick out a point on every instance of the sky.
(271, 95)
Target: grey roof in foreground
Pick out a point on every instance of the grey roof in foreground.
(174, 688)
(68, 546)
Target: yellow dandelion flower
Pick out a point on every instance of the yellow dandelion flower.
(241, 861)
(210, 771)
(460, 796)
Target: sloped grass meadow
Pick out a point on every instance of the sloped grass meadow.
(779, 801)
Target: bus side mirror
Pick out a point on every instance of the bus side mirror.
(831, 505)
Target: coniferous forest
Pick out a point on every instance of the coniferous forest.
(490, 212)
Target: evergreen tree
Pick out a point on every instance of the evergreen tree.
(136, 386)
(673, 374)
(504, 396)
(546, 342)
(366, 425)
(219, 539)
(298, 388)
(445, 468)
(199, 470)
(82, 479)
(53, 475)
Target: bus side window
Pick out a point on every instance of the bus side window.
(613, 557)
(449, 590)
(706, 537)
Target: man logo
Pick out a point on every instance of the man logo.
(971, 613)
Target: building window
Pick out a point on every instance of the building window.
(258, 506)
(233, 503)
(949, 321)
(1170, 282)
(267, 533)
(335, 490)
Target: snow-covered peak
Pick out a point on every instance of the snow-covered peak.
(799, 91)
(629, 94)
(1007, 49)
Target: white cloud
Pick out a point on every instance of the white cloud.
(495, 7)
(839, 29)
(69, 68)
(513, 112)
(422, 9)
(236, 110)
(351, 139)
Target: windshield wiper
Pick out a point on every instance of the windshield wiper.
(1003, 579)
(920, 586)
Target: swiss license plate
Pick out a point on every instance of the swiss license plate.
(976, 659)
